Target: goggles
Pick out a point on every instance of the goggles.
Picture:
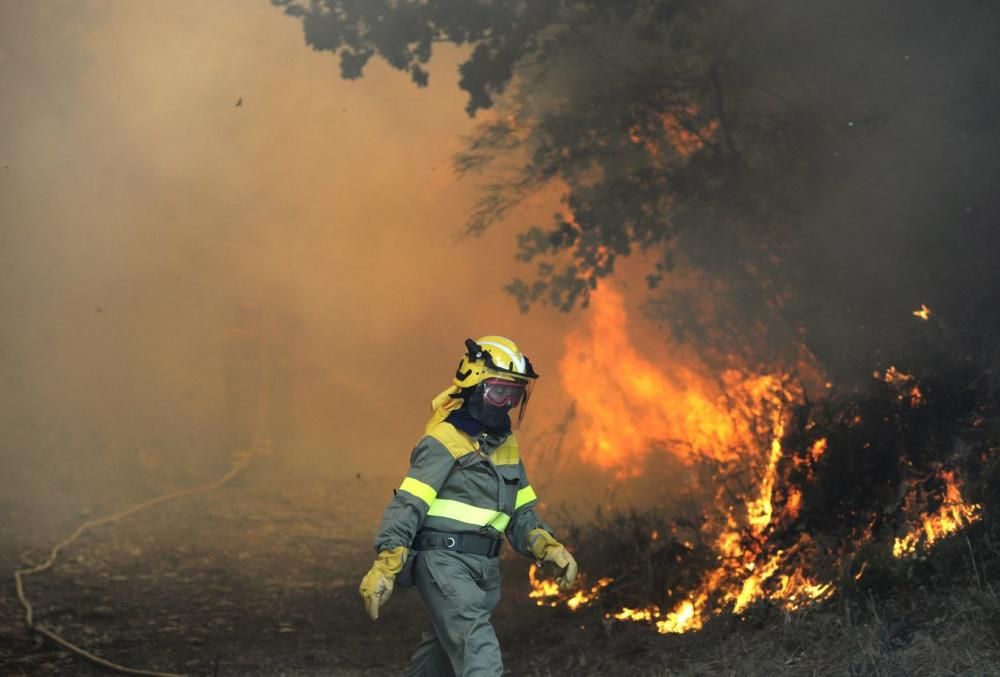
(499, 392)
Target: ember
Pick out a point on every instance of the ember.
(905, 385)
(682, 131)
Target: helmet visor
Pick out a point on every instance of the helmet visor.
(517, 417)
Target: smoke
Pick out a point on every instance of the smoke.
(154, 231)
(187, 188)
(907, 213)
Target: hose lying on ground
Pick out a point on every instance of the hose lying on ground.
(45, 631)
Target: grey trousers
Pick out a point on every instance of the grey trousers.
(460, 592)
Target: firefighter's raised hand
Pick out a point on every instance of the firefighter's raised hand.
(546, 548)
(377, 584)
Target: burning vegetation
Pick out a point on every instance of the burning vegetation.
(791, 500)
(951, 516)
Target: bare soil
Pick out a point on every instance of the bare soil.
(258, 577)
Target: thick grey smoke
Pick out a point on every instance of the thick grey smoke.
(910, 214)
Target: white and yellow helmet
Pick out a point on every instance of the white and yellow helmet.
(492, 356)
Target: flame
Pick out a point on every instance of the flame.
(740, 588)
(923, 312)
(760, 509)
(627, 614)
(630, 405)
(542, 591)
(633, 404)
(893, 376)
(682, 619)
(953, 515)
(902, 382)
(818, 449)
(546, 592)
(735, 586)
(793, 503)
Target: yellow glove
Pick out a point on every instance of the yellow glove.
(377, 584)
(546, 548)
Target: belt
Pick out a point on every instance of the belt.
(474, 544)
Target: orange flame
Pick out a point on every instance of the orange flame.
(546, 592)
(902, 382)
(630, 405)
(542, 591)
(818, 449)
(742, 578)
(740, 587)
(923, 312)
(894, 376)
(953, 515)
(794, 503)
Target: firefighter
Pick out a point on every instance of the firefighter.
(466, 488)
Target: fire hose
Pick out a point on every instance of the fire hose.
(51, 634)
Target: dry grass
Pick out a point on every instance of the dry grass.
(952, 632)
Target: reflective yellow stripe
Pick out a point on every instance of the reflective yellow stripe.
(424, 492)
(525, 495)
(470, 514)
(500, 522)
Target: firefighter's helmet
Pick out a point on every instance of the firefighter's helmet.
(492, 356)
(496, 377)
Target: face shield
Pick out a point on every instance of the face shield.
(497, 401)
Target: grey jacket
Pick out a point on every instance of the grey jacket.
(461, 484)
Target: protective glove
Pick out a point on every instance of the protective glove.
(546, 548)
(377, 584)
